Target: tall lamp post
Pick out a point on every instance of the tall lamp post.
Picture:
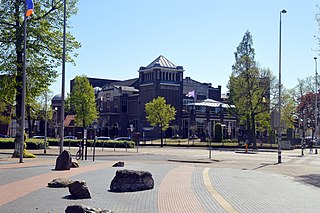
(63, 75)
(279, 103)
(316, 107)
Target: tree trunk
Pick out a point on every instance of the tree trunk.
(248, 128)
(161, 134)
(19, 133)
(253, 131)
(18, 78)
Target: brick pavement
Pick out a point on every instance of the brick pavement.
(175, 192)
(247, 183)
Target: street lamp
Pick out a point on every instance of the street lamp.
(279, 103)
(316, 107)
(63, 75)
(56, 124)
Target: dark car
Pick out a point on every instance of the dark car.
(3, 136)
(39, 137)
(70, 137)
(103, 138)
(193, 137)
(175, 136)
(122, 139)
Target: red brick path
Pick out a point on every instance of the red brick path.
(176, 194)
(14, 190)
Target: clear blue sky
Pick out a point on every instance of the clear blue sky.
(120, 36)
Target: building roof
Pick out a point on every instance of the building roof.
(129, 82)
(211, 103)
(162, 62)
(68, 120)
(126, 88)
(56, 97)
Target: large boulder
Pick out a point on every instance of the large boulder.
(84, 209)
(60, 183)
(64, 161)
(79, 190)
(131, 181)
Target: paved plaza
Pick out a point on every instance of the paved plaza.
(186, 180)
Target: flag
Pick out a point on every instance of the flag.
(190, 94)
(29, 7)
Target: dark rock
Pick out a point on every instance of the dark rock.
(130, 181)
(79, 190)
(63, 161)
(60, 183)
(74, 164)
(118, 164)
(84, 209)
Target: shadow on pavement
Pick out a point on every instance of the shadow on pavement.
(264, 165)
(311, 179)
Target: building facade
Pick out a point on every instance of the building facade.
(121, 104)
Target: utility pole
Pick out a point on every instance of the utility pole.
(316, 108)
(303, 142)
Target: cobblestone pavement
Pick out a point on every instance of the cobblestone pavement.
(186, 180)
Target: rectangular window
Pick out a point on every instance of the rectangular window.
(124, 107)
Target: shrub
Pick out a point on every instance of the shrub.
(27, 154)
(218, 132)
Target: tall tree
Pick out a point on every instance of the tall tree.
(160, 113)
(249, 86)
(44, 48)
(306, 110)
(82, 99)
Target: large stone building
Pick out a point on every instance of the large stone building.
(121, 104)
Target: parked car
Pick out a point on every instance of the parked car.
(70, 137)
(103, 138)
(175, 136)
(122, 139)
(193, 137)
(3, 136)
(39, 137)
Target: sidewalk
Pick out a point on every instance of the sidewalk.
(224, 184)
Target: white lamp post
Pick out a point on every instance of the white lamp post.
(63, 75)
(279, 103)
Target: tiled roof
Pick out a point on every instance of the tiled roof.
(161, 61)
(57, 97)
(68, 120)
(129, 82)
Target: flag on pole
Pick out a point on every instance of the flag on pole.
(29, 7)
(190, 94)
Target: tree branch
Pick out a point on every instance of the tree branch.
(53, 7)
(6, 23)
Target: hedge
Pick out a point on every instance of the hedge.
(8, 143)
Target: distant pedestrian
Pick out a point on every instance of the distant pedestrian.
(311, 146)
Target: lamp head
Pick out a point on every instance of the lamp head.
(315, 58)
(283, 11)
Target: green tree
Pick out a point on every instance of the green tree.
(302, 97)
(44, 48)
(249, 86)
(306, 110)
(160, 113)
(82, 99)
